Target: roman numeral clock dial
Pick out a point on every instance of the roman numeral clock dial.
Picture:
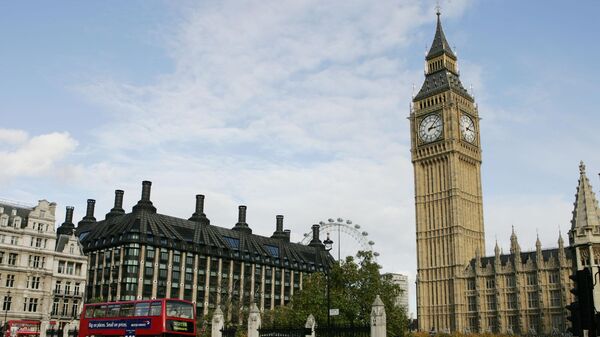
(467, 128)
(431, 128)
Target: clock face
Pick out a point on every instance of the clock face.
(467, 128)
(431, 128)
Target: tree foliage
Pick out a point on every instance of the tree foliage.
(354, 284)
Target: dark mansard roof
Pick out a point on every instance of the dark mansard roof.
(21, 211)
(440, 81)
(145, 226)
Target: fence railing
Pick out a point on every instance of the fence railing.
(284, 332)
(229, 331)
(344, 331)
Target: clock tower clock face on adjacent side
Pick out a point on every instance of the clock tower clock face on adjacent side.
(467, 128)
(431, 128)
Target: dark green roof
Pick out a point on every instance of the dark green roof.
(440, 45)
(441, 81)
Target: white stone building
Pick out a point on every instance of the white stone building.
(33, 260)
(402, 281)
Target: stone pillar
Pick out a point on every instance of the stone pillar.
(253, 321)
(44, 325)
(66, 330)
(311, 324)
(378, 320)
(217, 322)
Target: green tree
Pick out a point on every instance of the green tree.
(354, 284)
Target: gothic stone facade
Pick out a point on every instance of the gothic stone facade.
(146, 255)
(457, 288)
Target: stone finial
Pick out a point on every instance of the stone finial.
(254, 321)
(311, 324)
(378, 319)
(581, 167)
(217, 322)
(561, 242)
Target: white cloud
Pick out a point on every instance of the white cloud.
(12, 136)
(32, 156)
(294, 108)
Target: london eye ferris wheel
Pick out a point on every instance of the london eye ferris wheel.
(349, 236)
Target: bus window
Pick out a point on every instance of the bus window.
(155, 309)
(126, 310)
(89, 311)
(100, 311)
(113, 310)
(180, 309)
(141, 309)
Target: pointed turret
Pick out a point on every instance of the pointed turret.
(497, 249)
(514, 243)
(585, 212)
(538, 244)
(561, 249)
(440, 45)
(561, 242)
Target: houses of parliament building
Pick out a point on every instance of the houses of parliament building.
(458, 287)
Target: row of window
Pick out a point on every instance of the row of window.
(132, 252)
(511, 300)
(29, 304)
(69, 268)
(531, 279)
(67, 290)
(532, 321)
(56, 308)
(33, 282)
(10, 239)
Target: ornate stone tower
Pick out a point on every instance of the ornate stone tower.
(446, 155)
(584, 236)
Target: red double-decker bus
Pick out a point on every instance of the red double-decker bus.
(22, 328)
(162, 317)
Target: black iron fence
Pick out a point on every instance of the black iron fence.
(229, 331)
(284, 332)
(73, 333)
(54, 333)
(344, 331)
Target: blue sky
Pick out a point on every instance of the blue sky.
(295, 108)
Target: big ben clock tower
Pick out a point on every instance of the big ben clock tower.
(446, 154)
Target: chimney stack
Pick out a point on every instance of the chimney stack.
(279, 233)
(316, 242)
(241, 225)
(145, 203)
(69, 215)
(89, 213)
(89, 216)
(279, 223)
(199, 215)
(118, 206)
(67, 227)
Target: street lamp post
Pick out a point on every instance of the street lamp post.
(328, 245)
(6, 311)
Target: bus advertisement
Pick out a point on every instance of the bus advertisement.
(161, 317)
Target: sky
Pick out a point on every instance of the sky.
(296, 108)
